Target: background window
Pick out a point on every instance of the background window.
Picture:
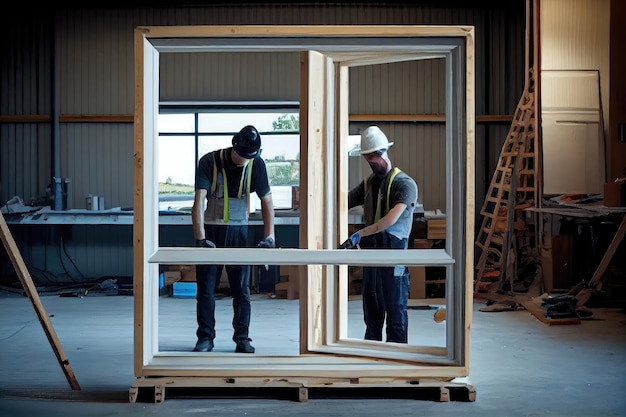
(186, 135)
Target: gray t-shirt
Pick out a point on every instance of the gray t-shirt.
(375, 192)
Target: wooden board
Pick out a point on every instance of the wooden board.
(534, 309)
(31, 292)
(540, 313)
(436, 229)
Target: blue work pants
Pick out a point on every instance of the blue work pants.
(207, 277)
(386, 294)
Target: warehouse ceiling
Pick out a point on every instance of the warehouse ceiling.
(67, 5)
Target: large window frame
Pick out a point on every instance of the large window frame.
(326, 54)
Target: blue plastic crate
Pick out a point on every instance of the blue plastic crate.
(185, 290)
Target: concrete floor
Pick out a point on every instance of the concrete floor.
(518, 365)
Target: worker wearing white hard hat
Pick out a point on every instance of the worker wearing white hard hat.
(388, 197)
(373, 139)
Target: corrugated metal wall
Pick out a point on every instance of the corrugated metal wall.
(25, 79)
(98, 160)
(94, 62)
(230, 76)
(413, 87)
(24, 160)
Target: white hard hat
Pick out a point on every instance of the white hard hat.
(373, 139)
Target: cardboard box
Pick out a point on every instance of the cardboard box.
(188, 276)
(284, 272)
(355, 280)
(188, 272)
(417, 282)
(557, 261)
(615, 193)
(422, 244)
(436, 229)
(170, 277)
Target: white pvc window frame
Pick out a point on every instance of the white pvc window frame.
(326, 54)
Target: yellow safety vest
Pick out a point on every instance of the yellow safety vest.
(247, 168)
(377, 216)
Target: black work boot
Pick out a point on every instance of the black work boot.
(244, 346)
(204, 345)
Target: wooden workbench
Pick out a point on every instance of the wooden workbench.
(591, 211)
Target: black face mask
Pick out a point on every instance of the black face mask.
(379, 168)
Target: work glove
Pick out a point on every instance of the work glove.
(204, 243)
(268, 242)
(352, 242)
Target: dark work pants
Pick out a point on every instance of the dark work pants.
(207, 277)
(386, 295)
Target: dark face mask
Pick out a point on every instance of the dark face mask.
(379, 167)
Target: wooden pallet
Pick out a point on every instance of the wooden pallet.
(153, 389)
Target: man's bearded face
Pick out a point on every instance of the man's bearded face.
(377, 163)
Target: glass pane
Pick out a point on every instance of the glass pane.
(275, 306)
(208, 144)
(282, 157)
(280, 148)
(281, 151)
(232, 122)
(176, 172)
(176, 123)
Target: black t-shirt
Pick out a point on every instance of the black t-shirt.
(204, 176)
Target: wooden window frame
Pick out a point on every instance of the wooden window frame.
(326, 354)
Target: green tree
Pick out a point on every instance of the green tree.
(287, 122)
(282, 171)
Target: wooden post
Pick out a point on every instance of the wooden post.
(31, 292)
(595, 283)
